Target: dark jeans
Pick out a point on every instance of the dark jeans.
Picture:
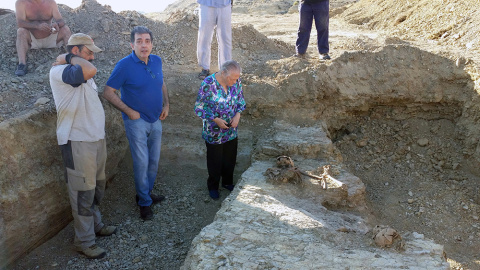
(309, 12)
(221, 160)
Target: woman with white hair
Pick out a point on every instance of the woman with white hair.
(219, 104)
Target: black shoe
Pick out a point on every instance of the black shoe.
(155, 198)
(202, 75)
(229, 187)
(214, 194)
(146, 212)
(21, 70)
(324, 56)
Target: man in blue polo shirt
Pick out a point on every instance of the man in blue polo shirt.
(144, 104)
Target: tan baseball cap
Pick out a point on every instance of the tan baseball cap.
(82, 39)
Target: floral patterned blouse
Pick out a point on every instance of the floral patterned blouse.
(213, 102)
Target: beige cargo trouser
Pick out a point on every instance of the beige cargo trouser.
(85, 173)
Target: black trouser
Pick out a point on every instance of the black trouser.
(221, 160)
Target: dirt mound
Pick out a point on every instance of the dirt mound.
(18, 94)
(453, 23)
(174, 41)
(239, 6)
(4, 11)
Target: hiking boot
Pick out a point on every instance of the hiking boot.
(214, 194)
(93, 252)
(202, 75)
(106, 231)
(229, 187)
(324, 56)
(146, 212)
(21, 70)
(155, 198)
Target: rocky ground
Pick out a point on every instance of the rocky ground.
(161, 243)
(417, 175)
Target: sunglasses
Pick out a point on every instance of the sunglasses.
(150, 71)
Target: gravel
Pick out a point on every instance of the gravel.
(161, 243)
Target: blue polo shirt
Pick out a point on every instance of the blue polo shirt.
(140, 85)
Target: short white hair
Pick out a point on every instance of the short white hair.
(230, 66)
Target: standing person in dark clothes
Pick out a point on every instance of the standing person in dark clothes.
(310, 10)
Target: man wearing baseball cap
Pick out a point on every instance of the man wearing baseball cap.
(81, 136)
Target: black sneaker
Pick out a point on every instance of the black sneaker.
(21, 70)
(155, 198)
(324, 56)
(146, 212)
(214, 194)
(202, 75)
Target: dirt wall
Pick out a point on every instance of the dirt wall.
(413, 81)
(34, 202)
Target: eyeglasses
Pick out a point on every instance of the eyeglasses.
(150, 71)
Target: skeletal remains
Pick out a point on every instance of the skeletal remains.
(286, 172)
(385, 236)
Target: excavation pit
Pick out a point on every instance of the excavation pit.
(399, 124)
(397, 121)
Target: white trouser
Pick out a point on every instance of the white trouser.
(209, 18)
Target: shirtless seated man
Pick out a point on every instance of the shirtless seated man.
(40, 25)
